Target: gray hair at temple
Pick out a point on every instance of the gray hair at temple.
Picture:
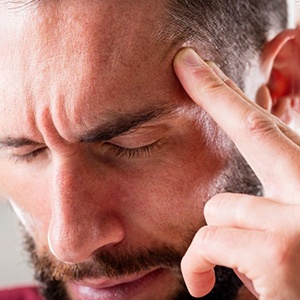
(231, 31)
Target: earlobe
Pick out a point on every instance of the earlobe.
(277, 66)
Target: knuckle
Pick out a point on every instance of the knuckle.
(206, 234)
(279, 250)
(259, 125)
(216, 204)
(213, 205)
(242, 209)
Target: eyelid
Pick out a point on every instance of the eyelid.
(26, 157)
(139, 137)
(23, 150)
(140, 152)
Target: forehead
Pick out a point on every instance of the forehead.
(76, 60)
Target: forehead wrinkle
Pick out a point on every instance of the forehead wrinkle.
(79, 126)
(108, 125)
(20, 5)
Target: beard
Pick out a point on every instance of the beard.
(52, 274)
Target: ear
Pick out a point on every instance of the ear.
(277, 68)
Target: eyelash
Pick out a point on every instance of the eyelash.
(27, 157)
(117, 150)
(133, 152)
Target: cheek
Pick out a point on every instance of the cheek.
(167, 196)
(161, 198)
(34, 219)
(28, 197)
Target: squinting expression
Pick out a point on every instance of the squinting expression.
(101, 149)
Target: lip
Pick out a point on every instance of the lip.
(108, 289)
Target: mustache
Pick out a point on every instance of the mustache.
(109, 264)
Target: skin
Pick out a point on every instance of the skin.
(297, 53)
(274, 223)
(77, 196)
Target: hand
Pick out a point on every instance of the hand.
(258, 237)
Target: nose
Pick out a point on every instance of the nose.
(84, 217)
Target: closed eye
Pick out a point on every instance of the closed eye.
(28, 157)
(139, 152)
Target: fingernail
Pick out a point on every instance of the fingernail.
(190, 58)
(217, 70)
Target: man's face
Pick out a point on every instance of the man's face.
(104, 158)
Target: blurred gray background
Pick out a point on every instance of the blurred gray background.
(13, 265)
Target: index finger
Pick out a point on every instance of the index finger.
(257, 136)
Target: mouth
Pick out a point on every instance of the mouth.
(107, 289)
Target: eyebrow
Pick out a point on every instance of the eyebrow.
(115, 126)
(120, 124)
(17, 142)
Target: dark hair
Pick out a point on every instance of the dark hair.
(231, 31)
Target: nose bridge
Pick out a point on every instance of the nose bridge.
(82, 219)
(68, 185)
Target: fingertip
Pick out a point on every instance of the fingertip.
(264, 98)
(189, 57)
(201, 284)
(203, 81)
(198, 273)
